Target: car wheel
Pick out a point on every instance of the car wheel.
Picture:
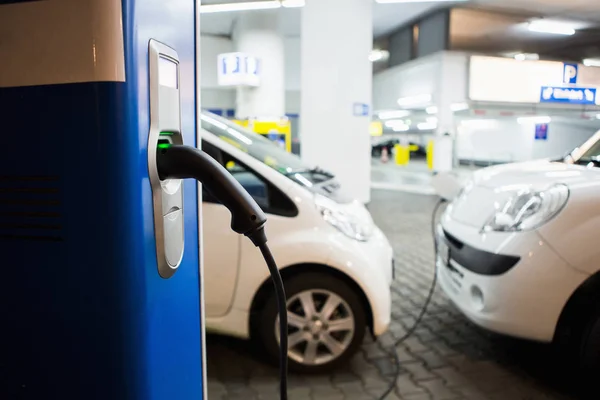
(589, 346)
(326, 319)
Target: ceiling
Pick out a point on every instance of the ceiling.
(488, 26)
(501, 26)
(386, 17)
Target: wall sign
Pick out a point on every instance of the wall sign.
(541, 132)
(238, 69)
(360, 109)
(567, 95)
(570, 72)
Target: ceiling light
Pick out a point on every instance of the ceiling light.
(379, 55)
(394, 122)
(227, 7)
(592, 62)
(534, 120)
(426, 126)
(479, 123)
(413, 101)
(431, 110)
(527, 56)
(401, 128)
(432, 120)
(392, 114)
(554, 28)
(417, 1)
(459, 107)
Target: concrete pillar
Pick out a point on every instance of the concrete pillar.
(445, 133)
(337, 37)
(257, 33)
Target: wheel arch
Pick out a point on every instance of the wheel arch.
(266, 288)
(584, 300)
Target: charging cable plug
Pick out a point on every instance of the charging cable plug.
(182, 162)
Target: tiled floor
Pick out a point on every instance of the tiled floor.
(446, 359)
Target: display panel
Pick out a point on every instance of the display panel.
(167, 73)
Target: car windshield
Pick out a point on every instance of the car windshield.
(264, 150)
(586, 154)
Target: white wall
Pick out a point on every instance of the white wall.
(214, 96)
(422, 76)
(508, 141)
(563, 137)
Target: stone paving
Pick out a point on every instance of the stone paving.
(447, 358)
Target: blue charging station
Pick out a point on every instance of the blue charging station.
(91, 307)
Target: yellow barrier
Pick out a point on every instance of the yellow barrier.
(282, 128)
(430, 154)
(376, 128)
(402, 154)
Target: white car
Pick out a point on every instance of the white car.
(337, 265)
(519, 253)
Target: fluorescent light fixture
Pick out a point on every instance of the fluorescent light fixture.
(431, 120)
(412, 101)
(379, 55)
(534, 120)
(527, 56)
(228, 7)
(431, 110)
(401, 128)
(459, 107)
(479, 123)
(393, 114)
(417, 1)
(293, 3)
(592, 62)
(426, 126)
(394, 122)
(554, 28)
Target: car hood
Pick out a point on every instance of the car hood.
(491, 187)
(538, 174)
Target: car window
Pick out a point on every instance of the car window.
(270, 199)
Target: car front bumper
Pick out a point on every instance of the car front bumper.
(510, 283)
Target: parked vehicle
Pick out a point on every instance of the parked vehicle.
(336, 264)
(518, 251)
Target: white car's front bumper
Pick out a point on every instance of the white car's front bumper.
(524, 300)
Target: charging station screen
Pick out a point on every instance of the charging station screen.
(167, 73)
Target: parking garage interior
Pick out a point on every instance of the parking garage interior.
(421, 176)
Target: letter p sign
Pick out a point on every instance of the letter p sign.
(570, 73)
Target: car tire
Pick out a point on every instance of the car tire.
(589, 346)
(321, 339)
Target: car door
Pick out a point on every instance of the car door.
(221, 247)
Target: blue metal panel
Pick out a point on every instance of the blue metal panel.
(85, 313)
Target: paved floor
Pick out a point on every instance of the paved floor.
(446, 359)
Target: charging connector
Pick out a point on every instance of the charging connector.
(247, 218)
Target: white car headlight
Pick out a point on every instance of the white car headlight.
(528, 209)
(346, 223)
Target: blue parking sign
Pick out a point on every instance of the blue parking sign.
(570, 72)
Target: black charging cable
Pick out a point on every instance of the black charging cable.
(393, 351)
(247, 218)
